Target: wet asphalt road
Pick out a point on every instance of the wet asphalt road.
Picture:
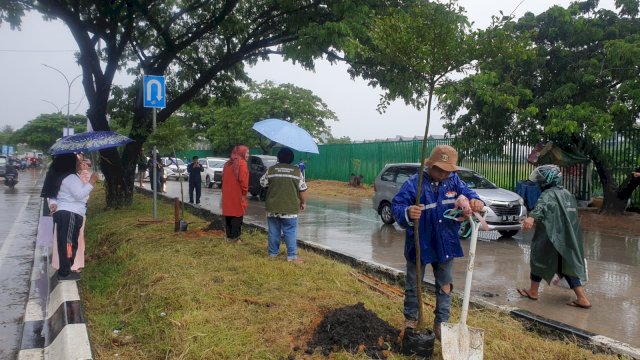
(502, 265)
(18, 226)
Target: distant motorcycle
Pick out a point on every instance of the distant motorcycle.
(10, 180)
(11, 174)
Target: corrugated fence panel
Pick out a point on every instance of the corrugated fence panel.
(339, 161)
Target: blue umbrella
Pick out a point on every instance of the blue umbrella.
(287, 134)
(87, 142)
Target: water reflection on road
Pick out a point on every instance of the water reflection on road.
(502, 265)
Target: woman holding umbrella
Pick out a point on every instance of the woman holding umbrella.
(67, 195)
(235, 184)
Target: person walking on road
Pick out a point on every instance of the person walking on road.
(155, 183)
(285, 199)
(235, 185)
(302, 168)
(142, 167)
(556, 247)
(439, 240)
(195, 179)
(67, 196)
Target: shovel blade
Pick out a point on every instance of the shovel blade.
(460, 342)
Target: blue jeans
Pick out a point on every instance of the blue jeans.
(288, 228)
(443, 275)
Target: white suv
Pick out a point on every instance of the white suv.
(177, 167)
(212, 175)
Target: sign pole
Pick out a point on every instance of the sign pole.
(154, 96)
(155, 172)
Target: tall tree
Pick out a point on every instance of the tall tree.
(231, 125)
(573, 79)
(5, 135)
(41, 132)
(409, 53)
(201, 45)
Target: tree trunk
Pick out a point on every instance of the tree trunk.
(612, 205)
(118, 186)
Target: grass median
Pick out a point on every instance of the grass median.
(151, 293)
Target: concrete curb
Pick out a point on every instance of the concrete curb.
(54, 325)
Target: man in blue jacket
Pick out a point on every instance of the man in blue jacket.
(439, 241)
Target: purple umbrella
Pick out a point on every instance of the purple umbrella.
(87, 142)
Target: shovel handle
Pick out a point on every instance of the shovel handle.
(467, 284)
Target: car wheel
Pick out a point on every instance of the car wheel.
(464, 228)
(208, 182)
(385, 213)
(253, 193)
(508, 233)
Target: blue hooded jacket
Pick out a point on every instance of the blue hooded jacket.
(439, 240)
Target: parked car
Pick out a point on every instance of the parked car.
(3, 165)
(212, 175)
(177, 167)
(505, 208)
(258, 165)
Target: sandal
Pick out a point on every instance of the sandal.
(525, 293)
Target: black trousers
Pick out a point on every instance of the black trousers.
(198, 187)
(68, 226)
(233, 226)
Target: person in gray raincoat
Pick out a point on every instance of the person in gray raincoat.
(556, 247)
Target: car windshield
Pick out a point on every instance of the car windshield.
(269, 162)
(216, 164)
(475, 181)
(172, 161)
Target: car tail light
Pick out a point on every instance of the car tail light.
(374, 187)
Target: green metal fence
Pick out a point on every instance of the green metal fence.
(339, 161)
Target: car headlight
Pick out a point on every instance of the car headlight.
(520, 201)
(487, 202)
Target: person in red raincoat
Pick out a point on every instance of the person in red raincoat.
(235, 184)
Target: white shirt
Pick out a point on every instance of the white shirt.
(73, 195)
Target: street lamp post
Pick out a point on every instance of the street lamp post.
(69, 83)
(52, 104)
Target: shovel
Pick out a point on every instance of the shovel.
(458, 340)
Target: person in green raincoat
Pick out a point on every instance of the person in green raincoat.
(556, 247)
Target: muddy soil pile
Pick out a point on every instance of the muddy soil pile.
(355, 329)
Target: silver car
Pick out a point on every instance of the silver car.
(505, 208)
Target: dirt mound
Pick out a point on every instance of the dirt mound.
(355, 329)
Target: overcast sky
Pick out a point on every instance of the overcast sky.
(29, 89)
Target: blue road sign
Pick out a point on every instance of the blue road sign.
(154, 91)
(10, 150)
(5, 150)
